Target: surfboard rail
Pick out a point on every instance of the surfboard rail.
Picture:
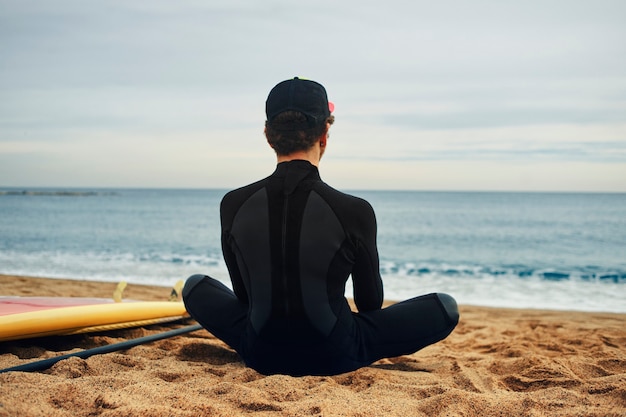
(89, 317)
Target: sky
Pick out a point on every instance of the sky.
(448, 95)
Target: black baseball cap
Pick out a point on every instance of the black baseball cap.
(305, 96)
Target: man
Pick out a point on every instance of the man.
(290, 243)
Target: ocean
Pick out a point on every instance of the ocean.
(564, 251)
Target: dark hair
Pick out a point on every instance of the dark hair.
(289, 132)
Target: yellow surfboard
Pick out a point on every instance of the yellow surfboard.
(27, 317)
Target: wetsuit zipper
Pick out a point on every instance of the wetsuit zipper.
(284, 260)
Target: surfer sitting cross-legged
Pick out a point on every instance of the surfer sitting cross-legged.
(290, 243)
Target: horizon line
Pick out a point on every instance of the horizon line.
(60, 189)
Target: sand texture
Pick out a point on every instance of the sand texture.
(498, 362)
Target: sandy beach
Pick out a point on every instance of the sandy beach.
(498, 362)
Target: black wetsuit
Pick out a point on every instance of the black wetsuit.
(290, 243)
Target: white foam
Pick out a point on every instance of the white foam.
(469, 285)
(513, 291)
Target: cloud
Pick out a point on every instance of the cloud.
(85, 83)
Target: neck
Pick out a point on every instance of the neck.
(312, 155)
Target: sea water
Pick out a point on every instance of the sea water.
(527, 250)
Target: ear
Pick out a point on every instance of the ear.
(323, 139)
